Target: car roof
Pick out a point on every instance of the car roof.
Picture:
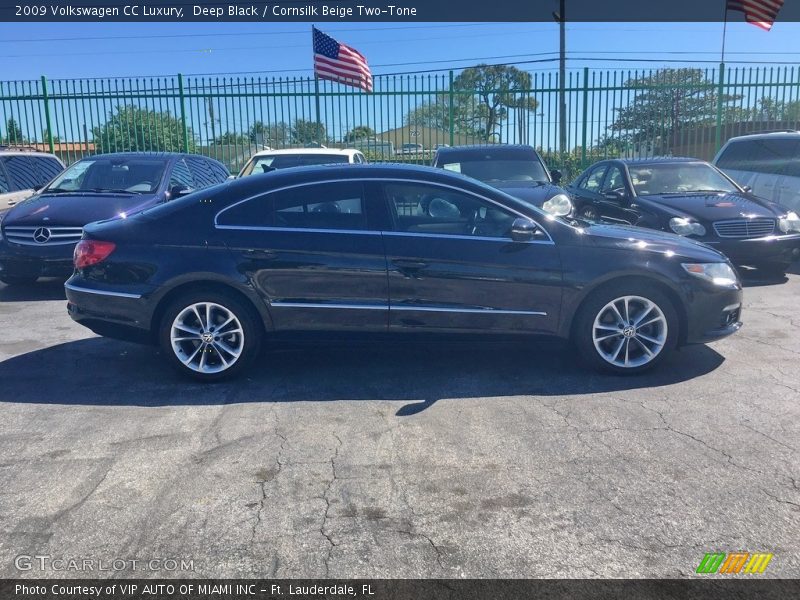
(484, 147)
(331, 151)
(785, 134)
(11, 152)
(654, 160)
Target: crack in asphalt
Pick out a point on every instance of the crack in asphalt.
(263, 482)
(331, 543)
(780, 500)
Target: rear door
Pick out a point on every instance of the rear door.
(314, 254)
(614, 202)
(452, 265)
(587, 191)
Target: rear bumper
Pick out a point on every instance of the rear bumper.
(120, 314)
(774, 248)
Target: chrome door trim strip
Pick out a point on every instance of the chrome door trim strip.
(76, 288)
(402, 307)
(330, 305)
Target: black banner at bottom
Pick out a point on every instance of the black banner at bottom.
(397, 589)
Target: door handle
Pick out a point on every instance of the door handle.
(261, 254)
(413, 265)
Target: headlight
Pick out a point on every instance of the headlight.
(717, 273)
(790, 223)
(683, 226)
(559, 205)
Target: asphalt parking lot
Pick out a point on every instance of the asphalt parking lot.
(457, 460)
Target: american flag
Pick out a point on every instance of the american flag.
(760, 13)
(337, 62)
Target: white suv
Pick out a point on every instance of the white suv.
(23, 171)
(767, 163)
(269, 160)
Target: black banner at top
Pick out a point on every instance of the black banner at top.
(321, 11)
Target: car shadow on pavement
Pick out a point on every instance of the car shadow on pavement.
(46, 289)
(103, 372)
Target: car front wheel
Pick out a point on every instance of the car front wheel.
(626, 329)
(210, 335)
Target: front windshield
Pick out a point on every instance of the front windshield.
(265, 164)
(678, 178)
(134, 175)
(500, 170)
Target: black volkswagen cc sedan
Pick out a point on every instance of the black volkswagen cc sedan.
(377, 248)
(694, 199)
(37, 236)
(516, 169)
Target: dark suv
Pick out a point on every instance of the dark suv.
(38, 235)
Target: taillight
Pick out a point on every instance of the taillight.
(91, 252)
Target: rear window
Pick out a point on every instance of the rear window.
(769, 156)
(265, 164)
(22, 172)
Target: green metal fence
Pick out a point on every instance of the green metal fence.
(686, 111)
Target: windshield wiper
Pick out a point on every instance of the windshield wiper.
(108, 191)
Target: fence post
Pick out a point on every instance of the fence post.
(451, 110)
(183, 114)
(720, 87)
(47, 115)
(585, 115)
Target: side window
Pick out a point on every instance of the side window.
(181, 175)
(21, 172)
(769, 156)
(206, 172)
(428, 209)
(3, 181)
(321, 206)
(47, 168)
(592, 182)
(337, 206)
(614, 180)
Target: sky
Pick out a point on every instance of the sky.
(67, 50)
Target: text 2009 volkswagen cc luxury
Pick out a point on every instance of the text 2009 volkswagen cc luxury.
(390, 248)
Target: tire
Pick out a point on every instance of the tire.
(14, 280)
(199, 353)
(602, 337)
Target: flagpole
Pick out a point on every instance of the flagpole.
(724, 31)
(316, 86)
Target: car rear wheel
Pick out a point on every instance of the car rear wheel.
(12, 280)
(210, 335)
(626, 329)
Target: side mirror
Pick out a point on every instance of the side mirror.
(523, 230)
(747, 188)
(231, 177)
(176, 191)
(36, 188)
(556, 175)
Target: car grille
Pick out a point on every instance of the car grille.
(43, 236)
(744, 228)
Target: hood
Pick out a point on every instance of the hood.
(713, 206)
(628, 237)
(533, 193)
(75, 210)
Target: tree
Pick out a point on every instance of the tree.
(360, 132)
(495, 89)
(306, 132)
(140, 129)
(13, 132)
(666, 102)
(56, 139)
(231, 138)
(273, 135)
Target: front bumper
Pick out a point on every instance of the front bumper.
(36, 261)
(712, 312)
(773, 248)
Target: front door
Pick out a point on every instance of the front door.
(452, 265)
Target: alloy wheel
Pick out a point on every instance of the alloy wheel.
(629, 331)
(207, 337)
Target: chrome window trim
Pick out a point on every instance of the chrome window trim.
(300, 229)
(373, 179)
(401, 307)
(76, 288)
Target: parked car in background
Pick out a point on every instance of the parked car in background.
(38, 235)
(389, 249)
(691, 198)
(412, 149)
(515, 169)
(767, 163)
(23, 171)
(270, 160)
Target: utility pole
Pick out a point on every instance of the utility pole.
(561, 17)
